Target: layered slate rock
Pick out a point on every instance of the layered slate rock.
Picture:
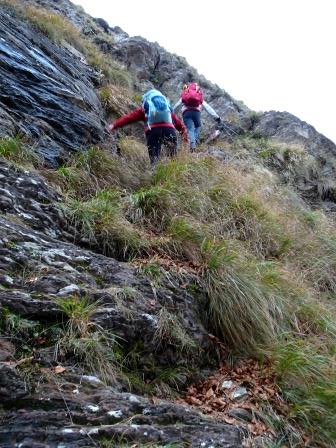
(26, 197)
(79, 411)
(47, 92)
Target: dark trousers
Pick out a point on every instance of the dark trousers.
(156, 137)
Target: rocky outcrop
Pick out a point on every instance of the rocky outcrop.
(315, 179)
(26, 197)
(37, 267)
(287, 128)
(47, 92)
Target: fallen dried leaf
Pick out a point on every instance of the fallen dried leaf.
(195, 401)
(210, 393)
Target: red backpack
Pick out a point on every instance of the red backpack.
(192, 95)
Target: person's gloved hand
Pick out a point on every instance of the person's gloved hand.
(218, 120)
(110, 127)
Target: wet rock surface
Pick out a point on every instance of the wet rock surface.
(47, 92)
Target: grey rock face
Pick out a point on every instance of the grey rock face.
(94, 412)
(27, 197)
(46, 92)
(290, 129)
(42, 267)
(12, 387)
(7, 350)
(316, 182)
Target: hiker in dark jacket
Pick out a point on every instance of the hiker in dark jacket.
(192, 102)
(160, 124)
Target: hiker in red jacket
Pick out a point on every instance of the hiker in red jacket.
(160, 124)
(192, 102)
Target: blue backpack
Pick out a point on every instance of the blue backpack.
(157, 107)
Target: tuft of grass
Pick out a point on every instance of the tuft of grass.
(307, 377)
(186, 238)
(153, 271)
(18, 152)
(101, 223)
(92, 170)
(245, 310)
(312, 218)
(318, 262)
(89, 343)
(79, 313)
(170, 381)
(14, 325)
(149, 205)
(170, 331)
(122, 298)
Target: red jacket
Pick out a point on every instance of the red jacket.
(139, 115)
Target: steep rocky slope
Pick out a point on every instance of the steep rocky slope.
(120, 285)
(37, 269)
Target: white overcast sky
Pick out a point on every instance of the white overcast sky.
(271, 54)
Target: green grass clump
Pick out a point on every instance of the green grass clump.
(15, 150)
(170, 331)
(306, 374)
(101, 223)
(152, 270)
(318, 261)
(246, 310)
(82, 338)
(15, 325)
(92, 170)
